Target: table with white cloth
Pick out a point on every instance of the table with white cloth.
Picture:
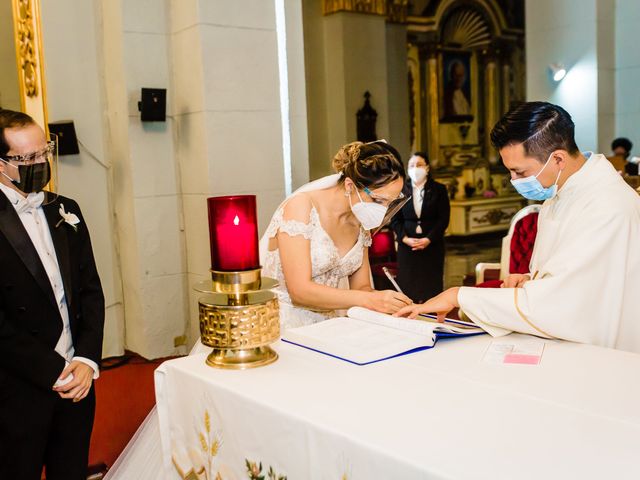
(439, 413)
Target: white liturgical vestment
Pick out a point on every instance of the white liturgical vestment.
(585, 267)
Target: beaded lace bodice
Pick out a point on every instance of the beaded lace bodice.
(327, 267)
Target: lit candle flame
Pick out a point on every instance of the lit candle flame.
(236, 221)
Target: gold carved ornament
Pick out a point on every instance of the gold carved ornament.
(395, 10)
(25, 46)
(493, 217)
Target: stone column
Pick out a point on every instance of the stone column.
(491, 110)
(433, 114)
(228, 115)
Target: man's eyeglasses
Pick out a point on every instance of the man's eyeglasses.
(40, 156)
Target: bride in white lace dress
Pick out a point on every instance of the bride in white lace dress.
(318, 238)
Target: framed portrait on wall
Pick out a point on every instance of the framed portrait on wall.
(456, 103)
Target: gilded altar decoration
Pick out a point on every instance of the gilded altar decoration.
(394, 10)
(25, 46)
(29, 59)
(494, 216)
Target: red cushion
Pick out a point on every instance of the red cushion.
(490, 284)
(524, 236)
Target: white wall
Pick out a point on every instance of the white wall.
(347, 54)
(144, 186)
(565, 31)
(597, 39)
(157, 200)
(627, 72)
(228, 116)
(73, 59)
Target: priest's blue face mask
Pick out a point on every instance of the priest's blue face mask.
(531, 188)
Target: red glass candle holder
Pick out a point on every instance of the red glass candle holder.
(233, 232)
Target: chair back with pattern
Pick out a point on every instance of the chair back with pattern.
(517, 246)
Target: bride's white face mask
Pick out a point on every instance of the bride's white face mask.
(369, 214)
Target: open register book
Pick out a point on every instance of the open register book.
(365, 336)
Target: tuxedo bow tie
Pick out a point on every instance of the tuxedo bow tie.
(31, 203)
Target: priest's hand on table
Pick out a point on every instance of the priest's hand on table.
(387, 301)
(440, 305)
(515, 280)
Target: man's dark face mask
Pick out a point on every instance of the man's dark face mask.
(33, 177)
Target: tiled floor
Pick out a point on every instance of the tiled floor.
(463, 253)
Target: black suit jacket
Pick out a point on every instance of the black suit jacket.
(434, 217)
(30, 322)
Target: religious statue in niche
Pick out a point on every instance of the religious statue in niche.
(456, 80)
(366, 121)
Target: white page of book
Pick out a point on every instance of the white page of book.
(421, 325)
(357, 340)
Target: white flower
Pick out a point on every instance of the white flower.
(70, 218)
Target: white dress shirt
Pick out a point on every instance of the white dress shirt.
(418, 197)
(32, 216)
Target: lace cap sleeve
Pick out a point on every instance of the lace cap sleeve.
(292, 227)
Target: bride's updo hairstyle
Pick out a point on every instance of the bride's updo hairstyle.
(371, 165)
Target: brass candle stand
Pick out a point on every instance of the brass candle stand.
(239, 318)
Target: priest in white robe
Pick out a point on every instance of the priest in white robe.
(584, 284)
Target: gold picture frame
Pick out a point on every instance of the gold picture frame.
(30, 60)
(455, 85)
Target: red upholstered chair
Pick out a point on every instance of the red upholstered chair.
(517, 248)
(382, 253)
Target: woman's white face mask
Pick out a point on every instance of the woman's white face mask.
(369, 214)
(417, 174)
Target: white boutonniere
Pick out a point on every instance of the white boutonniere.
(68, 217)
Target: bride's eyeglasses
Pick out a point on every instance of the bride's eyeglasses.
(393, 205)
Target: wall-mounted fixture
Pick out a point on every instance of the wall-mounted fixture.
(67, 139)
(153, 104)
(558, 71)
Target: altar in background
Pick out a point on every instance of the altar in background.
(466, 68)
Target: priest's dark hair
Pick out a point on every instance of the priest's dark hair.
(540, 127)
(11, 119)
(372, 165)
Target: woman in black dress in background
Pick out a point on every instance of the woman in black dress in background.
(419, 228)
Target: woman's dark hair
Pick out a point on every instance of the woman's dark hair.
(11, 119)
(622, 142)
(540, 127)
(422, 155)
(372, 165)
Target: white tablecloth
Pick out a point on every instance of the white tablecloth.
(441, 413)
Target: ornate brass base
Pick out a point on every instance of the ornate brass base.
(239, 318)
(234, 359)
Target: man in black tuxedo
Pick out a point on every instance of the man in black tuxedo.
(51, 315)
